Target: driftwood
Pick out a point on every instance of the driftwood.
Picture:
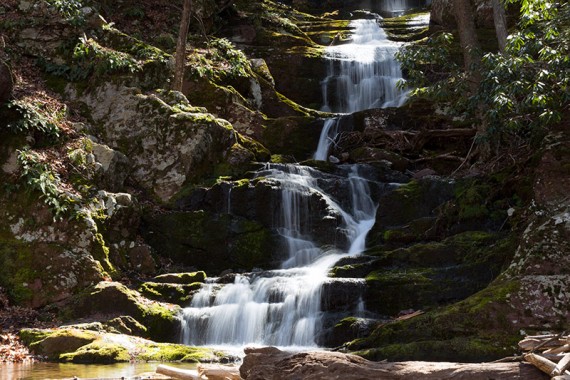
(549, 353)
(209, 372)
(222, 372)
(272, 364)
(178, 373)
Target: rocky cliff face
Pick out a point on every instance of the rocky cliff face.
(106, 175)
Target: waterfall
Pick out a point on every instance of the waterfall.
(283, 307)
(361, 75)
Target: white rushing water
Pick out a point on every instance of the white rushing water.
(361, 75)
(283, 307)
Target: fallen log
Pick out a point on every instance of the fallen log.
(562, 366)
(219, 372)
(272, 363)
(540, 362)
(178, 373)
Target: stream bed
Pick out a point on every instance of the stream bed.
(42, 371)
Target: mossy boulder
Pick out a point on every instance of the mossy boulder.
(410, 202)
(126, 325)
(473, 330)
(90, 347)
(168, 145)
(172, 293)
(42, 261)
(112, 299)
(430, 274)
(181, 278)
(98, 352)
(53, 343)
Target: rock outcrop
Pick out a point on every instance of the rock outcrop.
(167, 147)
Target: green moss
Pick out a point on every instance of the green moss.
(53, 343)
(97, 352)
(17, 270)
(29, 336)
(160, 320)
(172, 293)
(461, 349)
(182, 278)
(251, 245)
(478, 324)
(174, 352)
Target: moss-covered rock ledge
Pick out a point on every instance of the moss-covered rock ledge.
(78, 345)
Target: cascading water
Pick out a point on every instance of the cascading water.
(283, 307)
(361, 75)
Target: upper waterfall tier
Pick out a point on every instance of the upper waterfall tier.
(363, 74)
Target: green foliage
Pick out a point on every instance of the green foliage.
(99, 60)
(222, 60)
(527, 88)
(522, 91)
(32, 120)
(39, 176)
(70, 10)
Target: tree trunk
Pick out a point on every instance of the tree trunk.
(468, 40)
(180, 57)
(500, 24)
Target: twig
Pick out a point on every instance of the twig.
(466, 157)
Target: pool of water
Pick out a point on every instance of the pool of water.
(43, 371)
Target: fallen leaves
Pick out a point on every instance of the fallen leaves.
(12, 350)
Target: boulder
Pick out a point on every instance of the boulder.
(113, 299)
(114, 167)
(43, 261)
(271, 363)
(167, 147)
(68, 344)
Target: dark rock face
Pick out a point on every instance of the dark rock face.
(6, 83)
(210, 242)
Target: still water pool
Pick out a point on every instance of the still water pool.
(42, 371)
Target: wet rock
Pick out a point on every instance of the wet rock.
(347, 330)
(368, 154)
(180, 294)
(210, 242)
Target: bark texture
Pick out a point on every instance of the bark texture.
(270, 363)
(180, 58)
(500, 21)
(468, 40)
